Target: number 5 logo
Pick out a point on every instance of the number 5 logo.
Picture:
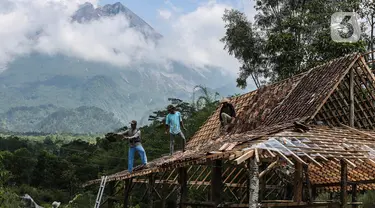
(345, 27)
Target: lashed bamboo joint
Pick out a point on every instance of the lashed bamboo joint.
(316, 128)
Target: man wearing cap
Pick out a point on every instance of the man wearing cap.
(173, 122)
(133, 135)
(227, 113)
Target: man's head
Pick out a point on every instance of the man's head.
(171, 109)
(224, 101)
(133, 124)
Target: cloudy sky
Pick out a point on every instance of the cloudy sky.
(191, 30)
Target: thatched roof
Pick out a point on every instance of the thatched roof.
(285, 111)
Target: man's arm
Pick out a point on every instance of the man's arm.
(137, 134)
(181, 122)
(233, 111)
(220, 118)
(123, 134)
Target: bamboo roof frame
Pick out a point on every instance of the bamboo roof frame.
(285, 114)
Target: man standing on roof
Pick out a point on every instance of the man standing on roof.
(133, 135)
(173, 122)
(227, 113)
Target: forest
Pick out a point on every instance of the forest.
(53, 167)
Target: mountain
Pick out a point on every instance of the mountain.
(87, 13)
(57, 93)
(80, 120)
(53, 119)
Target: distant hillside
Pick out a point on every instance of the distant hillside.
(50, 119)
(25, 118)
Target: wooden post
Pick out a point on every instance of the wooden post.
(164, 194)
(314, 192)
(182, 188)
(298, 182)
(254, 183)
(308, 183)
(216, 182)
(344, 183)
(111, 189)
(351, 97)
(262, 188)
(354, 195)
(150, 184)
(127, 189)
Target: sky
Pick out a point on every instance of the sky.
(191, 28)
(154, 11)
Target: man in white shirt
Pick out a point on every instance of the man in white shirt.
(133, 135)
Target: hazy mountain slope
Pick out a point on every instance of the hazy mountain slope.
(80, 120)
(41, 89)
(50, 119)
(25, 118)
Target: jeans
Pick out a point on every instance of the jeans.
(141, 153)
(172, 138)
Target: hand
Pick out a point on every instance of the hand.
(185, 128)
(165, 132)
(110, 137)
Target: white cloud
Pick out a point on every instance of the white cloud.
(172, 6)
(165, 14)
(192, 38)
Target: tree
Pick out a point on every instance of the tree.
(23, 164)
(206, 99)
(245, 44)
(7, 197)
(367, 11)
(292, 36)
(185, 108)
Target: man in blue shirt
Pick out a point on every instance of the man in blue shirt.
(173, 122)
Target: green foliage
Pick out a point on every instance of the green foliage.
(53, 167)
(289, 37)
(85, 200)
(368, 199)
(245, 44)
(206, 98)
(7, 197)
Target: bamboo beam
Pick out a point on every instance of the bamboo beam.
(284, 157)
(245, 156)
(349, 163)
(351, 97)
(268, 169)
(333, 89)
(313, 160)
(257, 155)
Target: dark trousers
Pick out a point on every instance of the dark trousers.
(172, 138)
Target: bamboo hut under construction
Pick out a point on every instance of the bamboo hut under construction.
(309, 134)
